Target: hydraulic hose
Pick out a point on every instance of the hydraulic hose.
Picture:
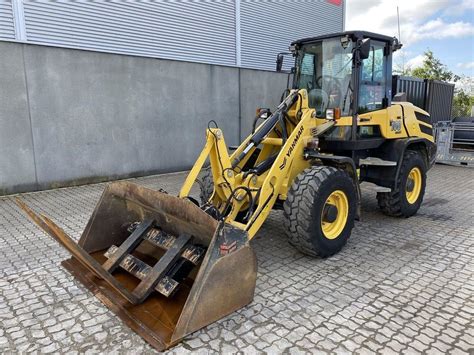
(267, 126)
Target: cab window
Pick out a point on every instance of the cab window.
(373, 79)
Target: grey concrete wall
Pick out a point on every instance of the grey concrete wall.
(258, 89)
(70, 116)
(17, 165)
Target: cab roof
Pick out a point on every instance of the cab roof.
(354, 35)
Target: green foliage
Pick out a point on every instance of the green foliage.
(433, 69)
(462, 104)
(402, 71)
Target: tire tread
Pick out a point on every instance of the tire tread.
(206, 187)
(297, 208)
(390, 203)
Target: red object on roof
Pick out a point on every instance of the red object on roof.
(335, 2)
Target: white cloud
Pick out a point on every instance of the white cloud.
(381, 16)
(467, 65)
(439, 29)
(415, 62)
(466, 84)
(420, 21)
(460, 8)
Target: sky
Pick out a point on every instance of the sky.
(444, 26)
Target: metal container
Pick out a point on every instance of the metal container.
(433, 96)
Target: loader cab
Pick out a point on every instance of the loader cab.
(350, 72)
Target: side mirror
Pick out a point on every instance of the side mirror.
(364, 48)
(279, 62)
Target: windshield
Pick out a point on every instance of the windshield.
(324, 69)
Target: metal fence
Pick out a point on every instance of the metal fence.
(433, 96)
(455, 141)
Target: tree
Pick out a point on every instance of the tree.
(432, 68)
(463, 100)
(402, 70)
(462, 104)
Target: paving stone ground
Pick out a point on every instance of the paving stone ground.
(400, 285)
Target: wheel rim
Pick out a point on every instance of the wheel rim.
(413, 185)
(332, 227)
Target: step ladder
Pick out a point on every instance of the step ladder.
(164, 277)
(373, 161)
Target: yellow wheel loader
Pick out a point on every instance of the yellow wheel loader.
(168, 266)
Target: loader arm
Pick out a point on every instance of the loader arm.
(244, 194)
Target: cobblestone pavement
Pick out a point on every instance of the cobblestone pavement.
(400, 285)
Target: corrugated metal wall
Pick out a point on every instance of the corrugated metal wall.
(439, 100)
(414, 88)
(201, 31)
(269, 26)
(433, 96)
(7, 25)
(247, 33)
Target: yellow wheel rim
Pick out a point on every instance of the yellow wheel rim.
(413, 185)
(334, 214)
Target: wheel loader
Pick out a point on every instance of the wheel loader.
(168, 266)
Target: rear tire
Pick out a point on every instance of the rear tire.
(406, 198)
(312, 224)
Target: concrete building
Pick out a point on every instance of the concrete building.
(97, 90)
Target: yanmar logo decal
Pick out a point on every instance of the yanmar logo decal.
(292, 147)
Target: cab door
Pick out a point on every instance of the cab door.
(373, 93)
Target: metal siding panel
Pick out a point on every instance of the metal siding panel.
(269, 26)
(440, 100)
(414, 88)
(436, 97)
(192, 30)
(7, 25)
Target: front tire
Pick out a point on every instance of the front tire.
(406, 198)
(206, 187)
(320, 210)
